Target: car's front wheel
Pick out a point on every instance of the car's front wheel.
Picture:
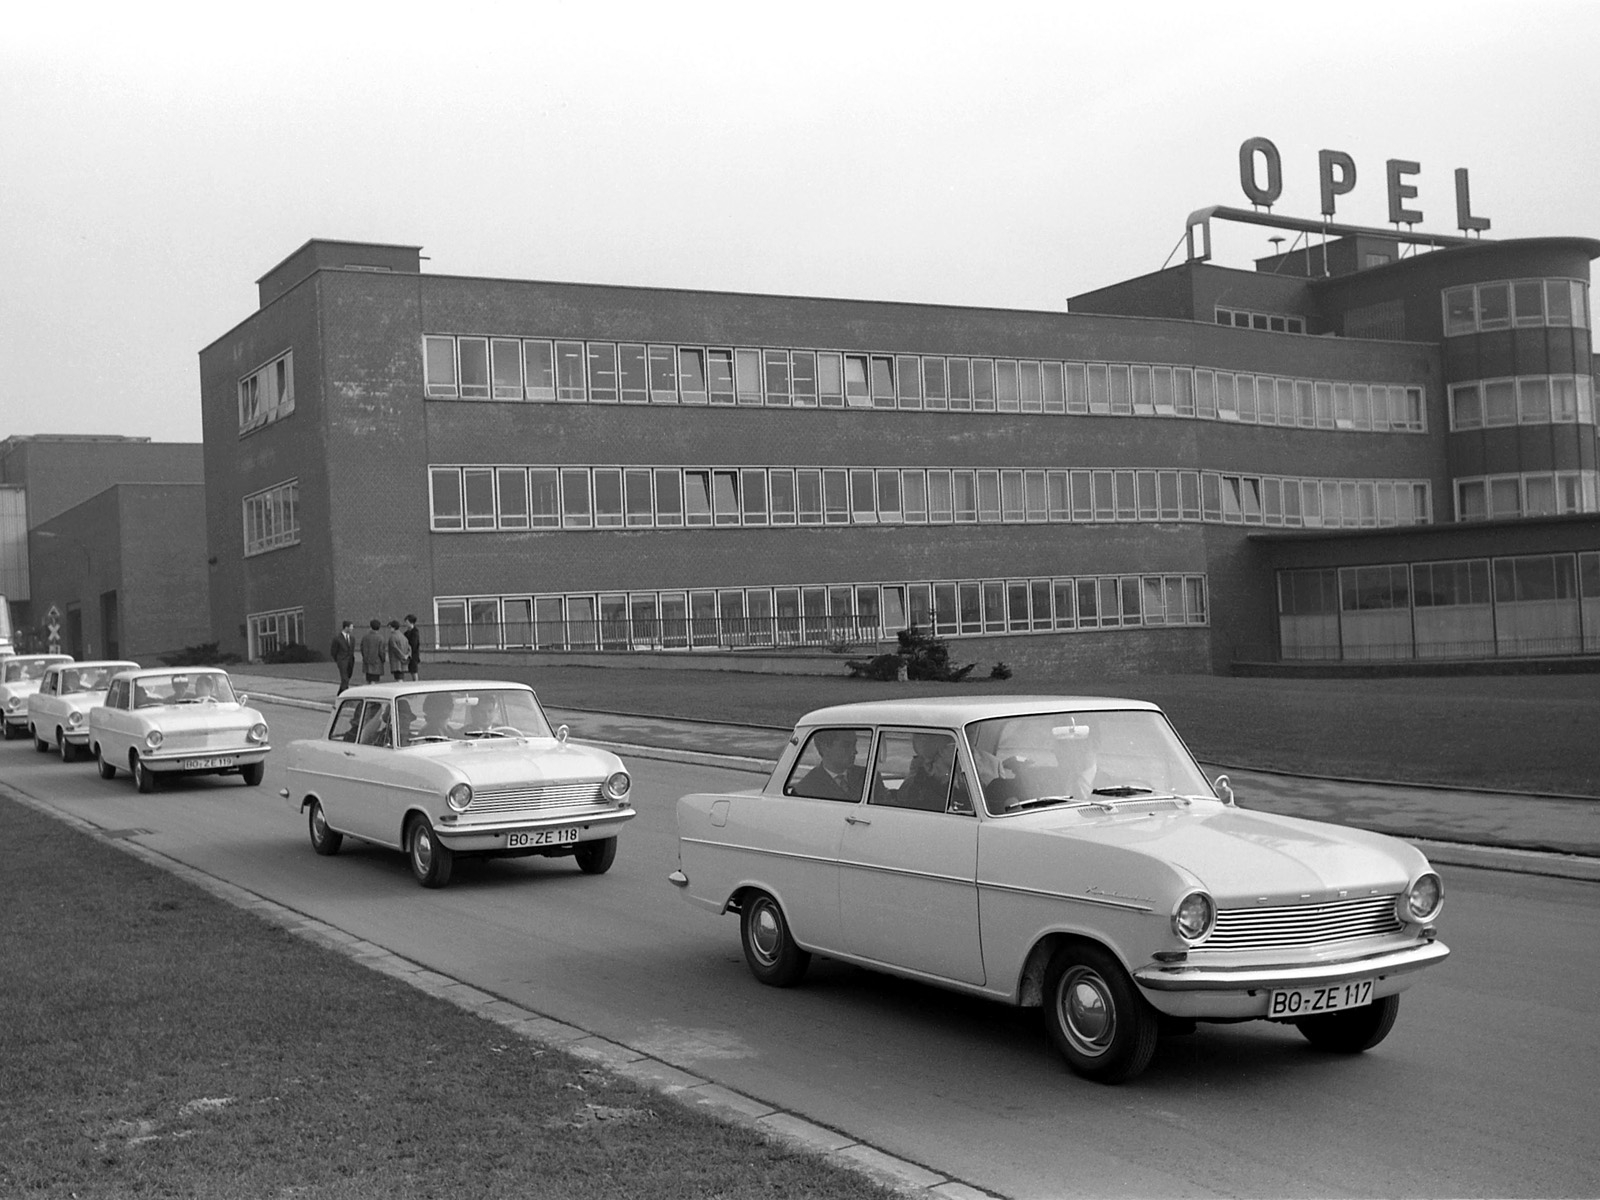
(10, 732)
(770, 951)
(595, 858)
(431, 859)
(1098, 1021)
(68, 752)
(252, 773)
(107, 770)
(324, 839)
(143, 777)
(39, 743)
(1354, 1029)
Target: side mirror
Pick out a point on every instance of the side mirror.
(1224, 790)
(243, 698)
(561, 735)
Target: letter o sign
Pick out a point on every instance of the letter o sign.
(1247, 171)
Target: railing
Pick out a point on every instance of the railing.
(842, 633)
(1555, 646)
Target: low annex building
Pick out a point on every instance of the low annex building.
(1360, 449)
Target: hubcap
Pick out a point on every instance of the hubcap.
(422, 848)
(319, 824)
(1087, 1010)
(765, 933)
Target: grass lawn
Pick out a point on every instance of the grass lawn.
(1533, 733)
(159, 1042)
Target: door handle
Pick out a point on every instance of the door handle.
(855, 820)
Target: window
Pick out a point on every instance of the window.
(778, 385)
(697, 498)
(267, 393)
(783, 496)
(569, 372)
(669, 497)
(444, 488)
(603, 372)
(608, 509)
(719, 376)
(270, 631)
(1520, 302)
(439, 374)
(506, 358)
(538, 371)
(633, 373)
(803, 377)
(753, 496)
(692, 385)
(272, 518)
(908, 375)
(575, 500)
(638, 498)
(663, 375)
(478, 485)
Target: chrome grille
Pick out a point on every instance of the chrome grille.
(540, 798)
(206, 741)
(1303, 924)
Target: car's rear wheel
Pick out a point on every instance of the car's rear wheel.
(431, 860)
(252, 773)
(143, 777)
(10, 732)
(324, 840)
(1354, 1029)
(595, 858)
(1104, 1029)
(68, 752)
(770, 951)
(107, 770)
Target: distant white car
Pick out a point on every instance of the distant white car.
(19, 678)
(448, 768)
(1066, 853)
(58, 713)
(163, 722)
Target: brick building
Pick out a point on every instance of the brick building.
(1184, 469)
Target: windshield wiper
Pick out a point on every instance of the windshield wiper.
(1036, 801)
(1123, 789)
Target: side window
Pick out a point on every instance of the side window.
(375, 727)
(831, 766)
(345, 722)
(917, 769)
(115, 695)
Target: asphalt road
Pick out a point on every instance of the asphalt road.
(1485, 1088)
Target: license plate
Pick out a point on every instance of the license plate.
(205, 764)
(541, 837)
(1308, 1002)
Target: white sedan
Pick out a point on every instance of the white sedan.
(1066, 853)
(58, 713)
(19, 678)
(452, 768)
(159, 723)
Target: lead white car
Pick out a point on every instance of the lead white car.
(452, 768)
(159, 723)
(1060, 852)
(58, 713)
(19, 678)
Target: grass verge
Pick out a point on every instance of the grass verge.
(159, 1042)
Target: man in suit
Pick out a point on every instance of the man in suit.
(836, 777)
(343, 653)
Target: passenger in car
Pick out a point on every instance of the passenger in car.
(836, 777)
(927, 783)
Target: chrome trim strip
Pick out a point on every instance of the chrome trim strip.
(1043, 893)
(448, 832)
(1184, 977)
(788, 854)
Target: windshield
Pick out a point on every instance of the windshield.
(1076, 757)
(89, 679)
(17, 670)
(181, 687)
(469, 713)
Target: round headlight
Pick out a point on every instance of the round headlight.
(74, 719)
(153, 740)
(258, 732)
(13, 703)
(1423, 899)
(617, 785)
(1193, 918)
(460, 796)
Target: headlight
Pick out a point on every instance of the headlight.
(1193, 918)
(258, 732)
(460, 796)
(153, 740)
(74, 719)
(1422, 900)
(617, 785)
(13, 703)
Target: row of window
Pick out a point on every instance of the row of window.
(1463, 582)
(822, 614)
(491, 499)
(557, 370)
(1532, 494)
(272, 518)
(1481, 307)
(267, 393)
(271, 631)
(1524, 400)
(1274, 322)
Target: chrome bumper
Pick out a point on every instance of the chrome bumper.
(1185, 977)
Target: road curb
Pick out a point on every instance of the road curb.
(682, 1087)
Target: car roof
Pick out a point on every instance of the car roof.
(949, 711)
(124, 663)
(51, 658)
(388, 691)
(145, 672)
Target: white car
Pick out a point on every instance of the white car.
(19, 678)
(449, 768)
(58, 713)
(159, 723)
(1066, 853)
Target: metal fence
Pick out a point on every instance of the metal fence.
(839, 633)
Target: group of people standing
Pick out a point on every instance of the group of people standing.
(395, 649)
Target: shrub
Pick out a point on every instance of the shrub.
(205, 654)
(291, 652)
(1000, 671)
(884, 666)
(927, 657)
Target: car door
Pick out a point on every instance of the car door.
(113, 724)
(908, 865)
(360, 739)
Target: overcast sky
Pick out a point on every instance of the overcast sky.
(156, 160)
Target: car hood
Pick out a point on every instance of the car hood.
(82, 701)
(195, 718)
(491, 762)
(1237, 853)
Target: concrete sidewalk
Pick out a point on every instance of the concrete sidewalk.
(1530, 834)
